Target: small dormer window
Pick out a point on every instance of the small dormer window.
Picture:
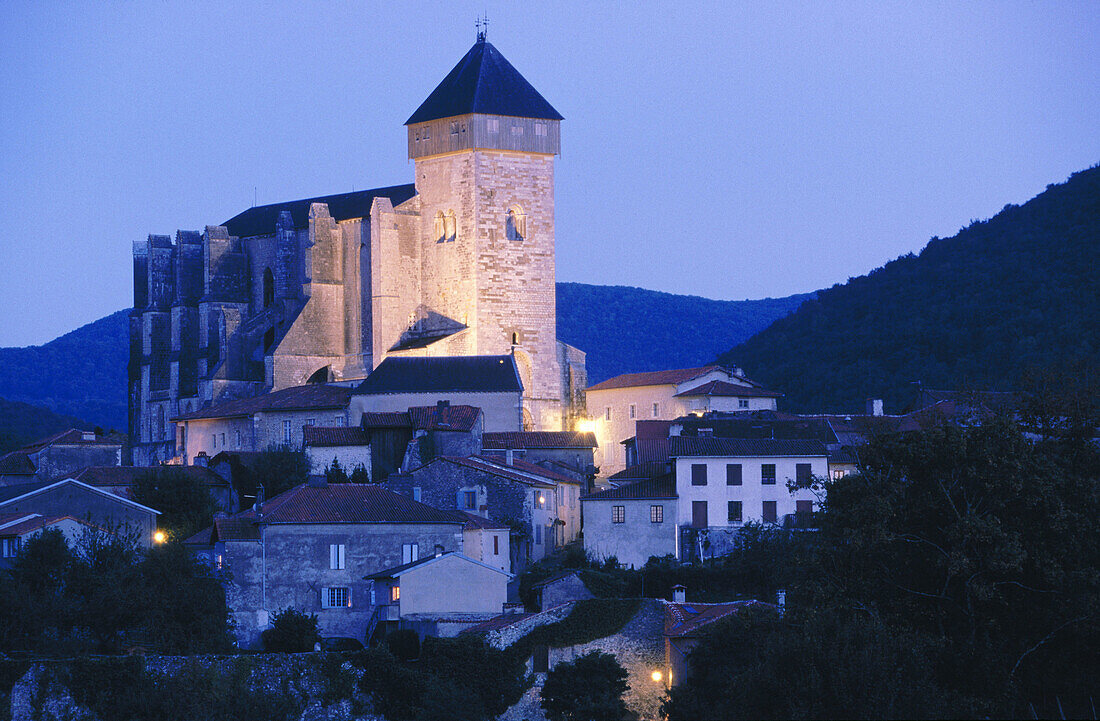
(454, 127)
(515, 224)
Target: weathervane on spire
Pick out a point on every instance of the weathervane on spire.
(482, 26)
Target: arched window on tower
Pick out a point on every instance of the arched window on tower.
(515, 224)
(440, 227)
(269, 288)
(449, 226)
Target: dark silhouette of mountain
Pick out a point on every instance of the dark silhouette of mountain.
(1000, 301)
(22, 424)
(629, 330)
(83, 373)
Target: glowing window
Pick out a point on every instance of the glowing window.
(515, 224)
(395, 594)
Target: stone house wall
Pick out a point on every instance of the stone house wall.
(635, 539)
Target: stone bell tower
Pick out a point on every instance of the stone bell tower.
(484, 143)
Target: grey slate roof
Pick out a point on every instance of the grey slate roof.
(442, 374)
(260, 220)
(484, 82)
(681, 446)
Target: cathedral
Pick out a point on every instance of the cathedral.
(321, 290)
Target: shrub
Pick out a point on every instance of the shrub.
(404, 644)
(291, 632)
(588, 689)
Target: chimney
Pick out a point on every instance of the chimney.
(509, 456)
(202, 459)
(679, 594)
(781, 600)
(443, 404)
(259, 498)
(874, 407)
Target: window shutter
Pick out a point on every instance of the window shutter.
(341, 559)
(324, 598)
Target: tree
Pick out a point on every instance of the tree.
(104, 586)
(590, 688)
(279, 469)
(185, 609)
(185, 503)
(291, 632)
(336, 473)
(36, 610)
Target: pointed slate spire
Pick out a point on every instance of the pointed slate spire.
(484, 82)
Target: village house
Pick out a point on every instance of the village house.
(569, 452)
(491, 383)
(486, 540)
(618, 403)
(632, 522)
(440, 595)
(86, 503)
(540, 506)
(261, 422)
(60, 454)
(343, 446)
(18, 528)
(310, 548)
(401, 440)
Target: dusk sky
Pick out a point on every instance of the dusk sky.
(720, 149)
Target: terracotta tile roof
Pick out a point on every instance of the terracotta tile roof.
(335, 436)
(684, 446)
(16, 463)
(534, 469)
(653, 488)
(641, 471)
(479, 464)
(444, 418)
(128, 475)
(474, 521)
(654, 378)
(688, 619)
(347, 503)
(443, 374)
(298, 398)
(722, 388)
(385, 419)
(537, 439)
(33, 524)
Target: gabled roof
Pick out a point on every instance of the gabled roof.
(655, 378)
(128, 475)
(73, 436)
(532, 469)
(661, 487)
(16, 463)
(315, 396)
(688, 619)
(641, 471)
(480, 464)
(683, 446)
(722, 388)
(476, 522)
(346, 503)
(754, 425)
(483, 82)
(397, 571)
(444, 374)
(444, 418)
(260, 219)
(335, 436)
(34, 521)
(537, 439)
(234, 528)
(11, 494)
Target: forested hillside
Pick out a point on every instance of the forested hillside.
(22, 423)
(1003, 298)
(627, 330)
(83, 373)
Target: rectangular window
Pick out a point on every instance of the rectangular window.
(395, 594)
(540, 499)
(222, 439)
(10, 547)
(838, 474)
(454, 127)
(410, 552)
(470, 498)
(733, 474)
(219, 561)
(804, 509)
(699, 514)
(238, 439)
(340, 421)
(742, 403)
(336, 556)
(607, 414)
(538, 534)
(416, 493)
(698, 474)
(618, 514)
(540, 129)
(493, 125)
(769, 512)
(656, 409)
(286, 432)
(336, 597)
(496, 545)
(656, 514)
(733, 509)
(633, 411)
(802, 472)
(517, 130)
(767, 474)
(214, 440)
(311, 421)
